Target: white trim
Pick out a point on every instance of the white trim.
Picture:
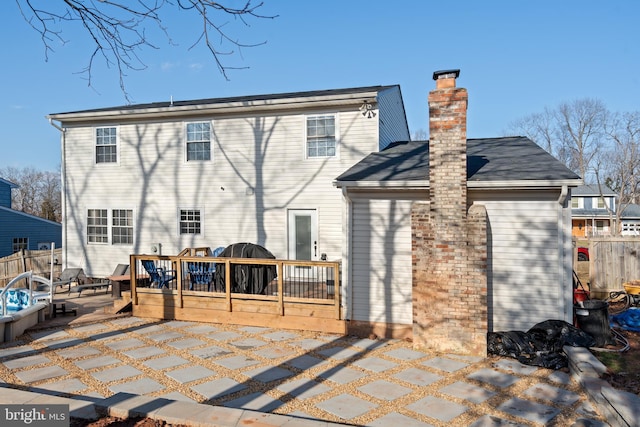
(186, 142)
(241, 106)
(179, 214)
(95, 145)
(336, 124)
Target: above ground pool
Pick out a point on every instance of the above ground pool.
(20, 298)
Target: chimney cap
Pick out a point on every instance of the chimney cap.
(446, 74)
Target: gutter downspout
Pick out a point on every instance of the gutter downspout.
(348, 251)
(564, 248)
(63, 174)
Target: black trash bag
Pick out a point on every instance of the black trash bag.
(552, 335)
(510, 343)
(246, 278)
(541, 345)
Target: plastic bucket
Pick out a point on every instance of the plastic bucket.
(580, 295)
(592, 316)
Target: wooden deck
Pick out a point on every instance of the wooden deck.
(304, 295)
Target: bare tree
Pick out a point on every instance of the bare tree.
(573, 132)
(619, 167)
(38, 192)
(420, 135)
(581, 125)
(120, 29)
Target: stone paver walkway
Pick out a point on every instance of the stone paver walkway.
(307, 375)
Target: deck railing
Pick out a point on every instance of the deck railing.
(275, 282)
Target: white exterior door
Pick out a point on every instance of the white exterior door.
(303, 234)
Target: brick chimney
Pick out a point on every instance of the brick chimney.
(449, 241)
(448, 156)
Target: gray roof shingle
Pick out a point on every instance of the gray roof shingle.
(488, 159)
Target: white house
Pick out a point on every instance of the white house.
(212, 172)
(263, 169)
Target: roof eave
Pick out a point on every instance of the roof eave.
(476, 185)
(355, 99)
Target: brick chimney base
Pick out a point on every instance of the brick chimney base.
(450, 285)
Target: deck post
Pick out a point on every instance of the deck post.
(132, 279)
(281, 288)
(179, 278)
(337, 291)
(227, 283)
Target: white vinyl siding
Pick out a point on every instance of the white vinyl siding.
(258, 176)
(381, 247)
(526, 281)
(526, 285)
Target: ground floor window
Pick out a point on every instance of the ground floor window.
(190, 221)
(20, 243)
(631, 228)
(122, 227)
(117, 223)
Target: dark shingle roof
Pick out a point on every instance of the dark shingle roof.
(631, 211)
(488, 159)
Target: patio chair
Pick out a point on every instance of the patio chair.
(67, 277)
(101, 283)
(158, 275)
(201, 273)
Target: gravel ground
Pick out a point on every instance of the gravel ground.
(120, 330)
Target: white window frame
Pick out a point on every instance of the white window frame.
(92, 227)
(200, 221)
(108, 225)
(601, 201)
(129, 226)
(336, 134)
(19, 243)
(579, 202)
(115, 145)
(201, 141)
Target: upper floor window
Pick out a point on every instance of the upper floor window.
(199, 141)
(190, 221)
(321, 136)
(97, 226)
(122, 227)
(601, 204)
(106, 145)
(575, 203)
(20, 243)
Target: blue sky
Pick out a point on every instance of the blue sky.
(515, 57)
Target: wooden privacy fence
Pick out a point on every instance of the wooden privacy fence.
(303, 295)
(612, 262)
(26, 260)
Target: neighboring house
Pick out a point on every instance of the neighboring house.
(212, 172)
(630, 220)
(589, 213)
(19, 230)
(528, 255)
